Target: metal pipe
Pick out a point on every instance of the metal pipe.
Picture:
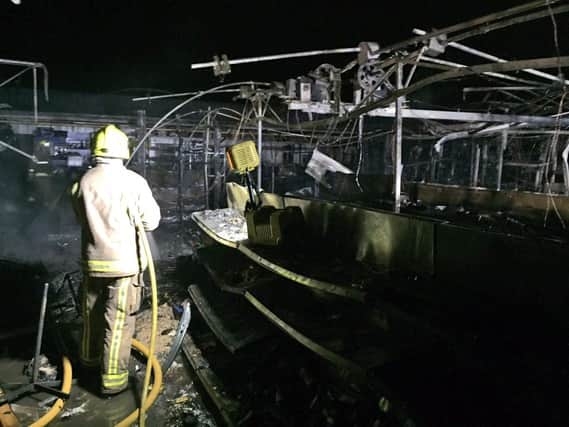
(397, 167)
(438, 147)
(538, 132)
(489, 73)
(480, 21)
(276, 57)
(205, 160)
(540, 171)
(484, 165)
(35, 74)
(436, 159)
(181, 105)
(475, 164)
(500, 166)
(565, 167)
(526, 164)
(22, 153)
(250, 188)
(550, 62)
(273, 151)
(20, 63)
(15, 76)
(412, 113)
(508, 88)
(180, 179)
(33, 65)
(361, 150)
(412, 72)
(485, 55)
(177, 95)
(260, 142)
(485, 29)
(553, 160)
(45, 82)
(180, 333)
(216, 161)
(35, 370)
(141, 124)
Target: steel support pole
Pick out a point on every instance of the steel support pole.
(472, 160)
(540, 171)
(565, 168)
(206, 160)
(260, 141)
(476, 164)
(180, 178)
(484, 165)
(14, 77)
(500, 167)
(553, 161)
(35, 73)
(273, 167)
(35, 369)
(217, 171)
(141, 125)
(362, 153)
(280, 56)
(436, 158)
(457, 116)
(361, 132)
(397, 166)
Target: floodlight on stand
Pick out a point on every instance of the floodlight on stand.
(266, 225)
(243, 158)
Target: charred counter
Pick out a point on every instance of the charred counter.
(412, 309)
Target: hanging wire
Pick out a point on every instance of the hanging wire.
(554, 140)
(360, 158)
(184, 103)
(181, 116)
(553, 145)
(555, 36)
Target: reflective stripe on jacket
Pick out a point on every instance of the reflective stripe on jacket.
(104, 200)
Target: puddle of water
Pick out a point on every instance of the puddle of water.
(95, 411)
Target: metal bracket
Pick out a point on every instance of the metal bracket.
(221, 66)
(180, 333)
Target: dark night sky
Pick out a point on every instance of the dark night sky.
(104, 46)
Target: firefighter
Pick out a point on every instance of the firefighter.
(108, 200)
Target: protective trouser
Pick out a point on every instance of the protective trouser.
(109, 312)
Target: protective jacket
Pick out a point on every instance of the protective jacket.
(108, 200)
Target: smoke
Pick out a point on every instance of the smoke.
(153, 246)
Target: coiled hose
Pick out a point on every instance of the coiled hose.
(156, 386)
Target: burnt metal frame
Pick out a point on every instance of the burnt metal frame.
(34, 67)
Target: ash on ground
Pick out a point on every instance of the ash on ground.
(167, 324)
(185, 408)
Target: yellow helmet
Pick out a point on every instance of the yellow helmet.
(110, 141)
